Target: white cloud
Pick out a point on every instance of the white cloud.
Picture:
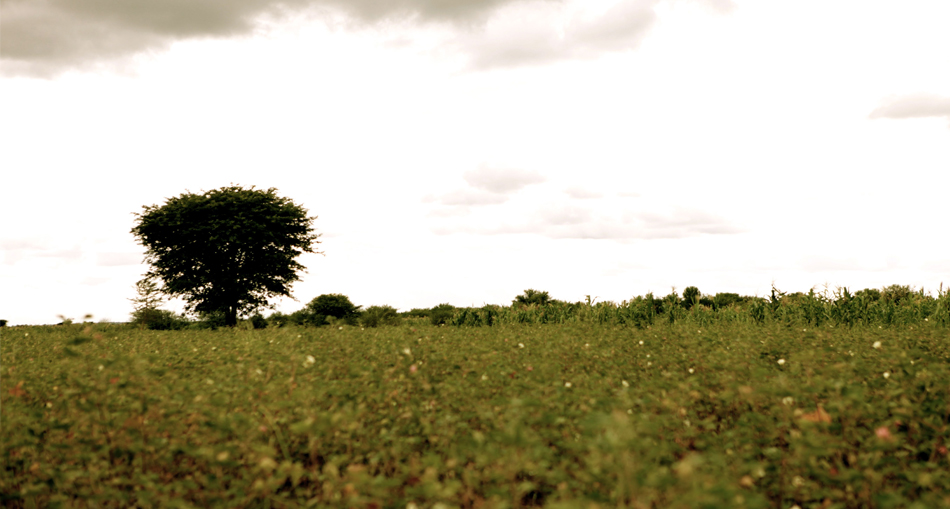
(488, 186)
(16, 250)
(94, 281)
(913, 106)
(502, 180)
(472, 197)
(582, 194)
(820, 263)
(530, 34)
(46, 38)
(559, 215)
(112, 259)
(564, 221)
(683, 222)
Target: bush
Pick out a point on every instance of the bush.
(868, 294)
(3, 323)
(307, 318)
(333, 304)
(212, 320)
(531, 296)
(416, 313)
(724, 300)
(691, 296)
(441, 314)
(277, 319)
(258, 321)
(158, 319)
(374, 316)
(897, 293)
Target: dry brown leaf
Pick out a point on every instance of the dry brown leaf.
(18, 390)
(133, 422)
(817, 416)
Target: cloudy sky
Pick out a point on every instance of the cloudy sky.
(462, 151)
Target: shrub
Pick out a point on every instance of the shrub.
(897, 293)
(333, 304)
(258, 321)
(211, 320)
(374, 316)
(158, 319)
(278, 319)
(531, 296)
(3, 323)
(640, 311)
(307, 318)
(724, 300)
(416, 313)
(441, 314)
(690, 296)
(868, 294)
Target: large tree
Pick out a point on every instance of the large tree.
(227, 250)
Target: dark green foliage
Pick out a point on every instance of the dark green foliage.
(375, 316)
(319, 312)
(532, 297)
(3, 323)
(334, 304)
(670, 303)
(868, 294)
(468, 317)
(671, 300)
(757, 311)
(897, 293)
(227, 250)
(441, 314)
(691, 296)
(640, 311)
(792, 309)
(146, 314)
(149, 295)
(724, 300)
(307, 318)
(258, 321)
(210, 320)
(158, 319)
(278, 319)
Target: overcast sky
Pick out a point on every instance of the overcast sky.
(462, 151)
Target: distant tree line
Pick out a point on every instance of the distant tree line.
(227, 251)
(892, 305)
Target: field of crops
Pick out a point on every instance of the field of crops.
(514, 415)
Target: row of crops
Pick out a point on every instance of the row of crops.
(800, 309)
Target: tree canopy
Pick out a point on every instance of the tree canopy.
(532, 296)
(227, 250)
(333, 304)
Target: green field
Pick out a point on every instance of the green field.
(569, 415)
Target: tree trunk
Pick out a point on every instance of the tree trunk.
(230, 316)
